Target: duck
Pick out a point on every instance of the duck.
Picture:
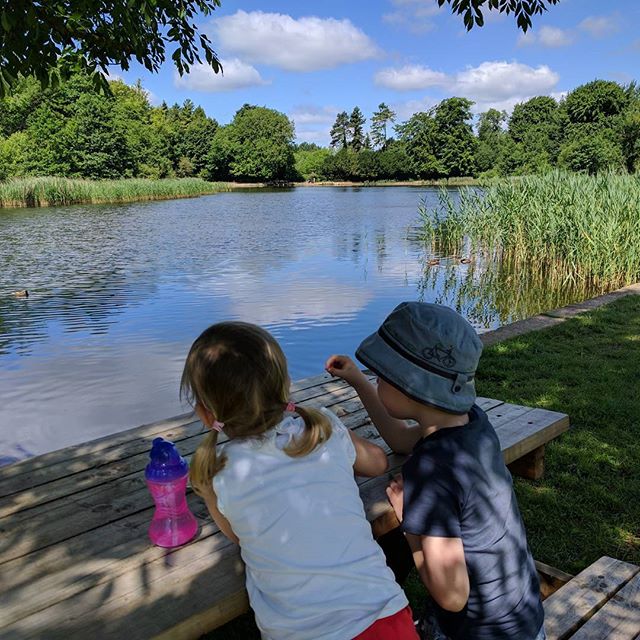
(21, 294)
(465, 261)
(433, 262)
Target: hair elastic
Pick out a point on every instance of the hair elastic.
(218, 426)
(290, 406)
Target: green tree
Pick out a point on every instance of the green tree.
(595, 102)
(257, 145)
(394, 162)
(342, 165)
(309, 163)
(340, 131)
(455, 144)
(418, 136)
(592, 153)
(383, 117)
(356, 129)
(368, 165)
(490, 139)
(54, 40)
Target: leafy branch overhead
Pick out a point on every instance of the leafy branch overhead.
(523, 10)
(50, 40)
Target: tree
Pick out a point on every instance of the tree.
(52, 40)
(471, 10)
(340, 131)
(418, 136)
(379, 121)
(356, 129)
(256, 146)
(592, 154)
(490, 137)
(455, 144)
(595, 102)
(310, 162)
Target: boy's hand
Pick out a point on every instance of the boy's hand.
(344, 367)
(395, 492)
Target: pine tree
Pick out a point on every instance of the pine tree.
(379, 121)
(340, 131)
(367, 142)
(356, 129)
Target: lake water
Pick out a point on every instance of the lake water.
(119, 292)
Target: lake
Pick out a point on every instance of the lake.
(119, 292)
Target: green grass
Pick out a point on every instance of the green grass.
(586, 227)
(52, 191)
(588, 503)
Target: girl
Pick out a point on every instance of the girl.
(283, 488)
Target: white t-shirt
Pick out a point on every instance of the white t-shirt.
(313, 569)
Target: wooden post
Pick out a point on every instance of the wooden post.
(530, 466)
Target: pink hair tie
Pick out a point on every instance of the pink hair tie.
(218, 426)
(290, 407)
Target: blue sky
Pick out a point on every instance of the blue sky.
(313, 59)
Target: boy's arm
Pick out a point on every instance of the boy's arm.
(442, 568)
(440, 561)
(371, 460)
(396, 433)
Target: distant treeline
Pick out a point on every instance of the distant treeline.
(74, 131)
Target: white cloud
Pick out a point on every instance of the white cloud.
(410, 78)
(404, 110)
(551, 37)
(599, 26)
(305, 44)
(415, 15)
(236, 75)
(497, 84)
(310, 114)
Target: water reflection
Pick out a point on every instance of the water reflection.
(118, 293)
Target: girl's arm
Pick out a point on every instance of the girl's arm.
(400, 436)
(211, 500)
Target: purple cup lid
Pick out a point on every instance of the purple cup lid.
(165, 462)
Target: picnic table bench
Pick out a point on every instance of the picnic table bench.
(600, 603)
(75, 559)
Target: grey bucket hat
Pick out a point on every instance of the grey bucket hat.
(428, 352)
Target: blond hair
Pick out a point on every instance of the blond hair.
(238, 372)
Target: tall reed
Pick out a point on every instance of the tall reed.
(588, 227)
(52, 191)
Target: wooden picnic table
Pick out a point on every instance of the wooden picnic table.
(600, 603)
(75, 559)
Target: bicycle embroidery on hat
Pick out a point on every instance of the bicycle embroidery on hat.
(441, 354)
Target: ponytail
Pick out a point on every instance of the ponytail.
(317, 430)
(205, 463)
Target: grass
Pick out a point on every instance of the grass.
(588, 503)
(586, 226)
(52, 191)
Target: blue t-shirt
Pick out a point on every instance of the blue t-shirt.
(456, 485)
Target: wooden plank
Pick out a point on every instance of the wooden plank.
(551, 579)
(529, 431)
(572, 605)
(146, 603)
(619, 618)
(116, 462)
(530, 466)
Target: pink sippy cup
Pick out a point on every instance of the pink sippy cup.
(166, 474)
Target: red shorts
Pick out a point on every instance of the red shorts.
(399, 626)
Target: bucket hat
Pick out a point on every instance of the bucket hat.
(427, 351)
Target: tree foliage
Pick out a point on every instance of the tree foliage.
(380, 120)
(471, 10)
(54, 39)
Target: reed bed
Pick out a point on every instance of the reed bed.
(52, 191)
(581, 228)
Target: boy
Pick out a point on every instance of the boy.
(455, 499)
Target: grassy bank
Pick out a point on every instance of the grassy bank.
(50, 191)
(578, 226)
